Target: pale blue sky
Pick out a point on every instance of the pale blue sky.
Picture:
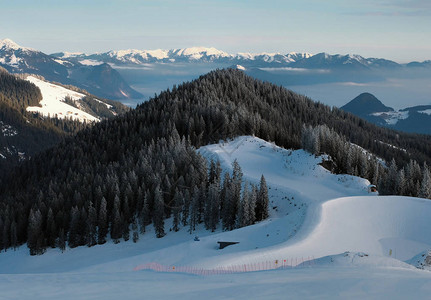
(393, 29)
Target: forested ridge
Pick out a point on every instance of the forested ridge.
(33, 133)
(140, 168)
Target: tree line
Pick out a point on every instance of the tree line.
(410, 180)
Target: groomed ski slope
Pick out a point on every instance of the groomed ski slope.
(313, 213)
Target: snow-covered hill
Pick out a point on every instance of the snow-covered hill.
(313, 214)
(53, 105)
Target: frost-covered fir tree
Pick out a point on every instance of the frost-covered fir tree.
(213, 212)
(262, 201)
(102, 223)
(158, 216)
(425, 190)
(117, 222)
(178, 203)
(193, 215)
(91, 225)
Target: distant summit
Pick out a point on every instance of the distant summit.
(415, 119)
(365, 104)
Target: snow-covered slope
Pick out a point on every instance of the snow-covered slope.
(313, 214)
(53, 104)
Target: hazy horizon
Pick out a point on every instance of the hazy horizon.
(394, 30)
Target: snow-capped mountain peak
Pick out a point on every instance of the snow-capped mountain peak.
(9, 44)
(199, 52)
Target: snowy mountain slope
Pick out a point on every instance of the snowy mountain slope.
(288, 174)
(100, 80)
(305, 221)
(53, 104)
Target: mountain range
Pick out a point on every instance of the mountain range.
(213, 55)
(190, 55)
(110, 74)
(101, 80)
(415, 119)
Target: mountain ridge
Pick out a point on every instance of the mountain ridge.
(211, 54)
(18, 59)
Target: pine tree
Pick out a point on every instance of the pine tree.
(193, 215)
(226, 194)
(186, 208)
(401, 183)
(102, 222)
(117, 221)
(243, 217)
(425, 189)
(6, 232)
(391, 182)
(13, 235)
(262, 201)
(158, 217)
(213, 210)
(252, 204)
(91, 225)
(178, 203)
(61, 240)
(135, 237)
(74, 232)
(126, 219)
(145, 215)
(234, 197)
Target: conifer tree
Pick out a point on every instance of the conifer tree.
(178, 203)
(193, 215)
(252, 204)
(117, 222)
(262, 201)
(91, 225)
(425, 189)
(158, 217)
(102, 222)
(135, 236)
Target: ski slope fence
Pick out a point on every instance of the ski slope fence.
(250, 267)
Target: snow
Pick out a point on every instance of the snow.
(198, 52)
(159, 53)
(133, 55)
(315, 217)
(90, 62)
(71, 54)
(270, 57)
(7, 130)
(53, 104)
(9, 44)
(392, 117)
(427, 112)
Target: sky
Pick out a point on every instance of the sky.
(394, 29)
